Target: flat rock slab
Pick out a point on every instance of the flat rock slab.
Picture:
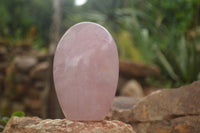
(187, 124)
(37, 125)
(131, 69)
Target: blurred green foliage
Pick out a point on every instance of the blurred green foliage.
(180, 64)
(25, 19)
(153, 31)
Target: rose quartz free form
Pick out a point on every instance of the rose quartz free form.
(85, 69)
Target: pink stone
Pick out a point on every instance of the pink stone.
(85, 69)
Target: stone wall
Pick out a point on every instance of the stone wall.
(23, 74)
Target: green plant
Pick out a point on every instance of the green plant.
(180, 61)
(3, 122)
(18, 114)
(160, 35)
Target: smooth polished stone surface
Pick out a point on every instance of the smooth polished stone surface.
(86, 69)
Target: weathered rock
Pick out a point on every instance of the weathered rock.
(187, 124)
(39, 85)
(21, 78)
(1, 82)
(137, 70)
(40, 71)
(33, 103)
(121, 82)
(122, 102)
(122, 109)
(42, 56)
(3, 50)
(37, 125)
(167, 104)
(149, 90)
(25, 63)
(132, 89)
(3, 66)
(18, 106)
(4, 42)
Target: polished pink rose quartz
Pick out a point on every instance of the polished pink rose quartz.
(85, 70)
